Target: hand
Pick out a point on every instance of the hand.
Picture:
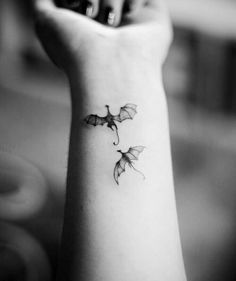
(72, 40)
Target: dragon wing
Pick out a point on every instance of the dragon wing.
(95, 120)
(119, 169)
(126, 112)
(133, 152)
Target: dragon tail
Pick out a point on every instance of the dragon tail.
(118, 138)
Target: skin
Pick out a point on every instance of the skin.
(128, 233)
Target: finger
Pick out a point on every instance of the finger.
(91, 8)
(111, 12)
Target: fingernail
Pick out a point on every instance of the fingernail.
(110, 16)
(89, 10)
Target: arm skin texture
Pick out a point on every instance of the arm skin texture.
(125, 232)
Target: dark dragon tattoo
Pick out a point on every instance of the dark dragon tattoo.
(127, 158)
(126, 112)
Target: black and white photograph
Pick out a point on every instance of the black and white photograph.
(117, 140)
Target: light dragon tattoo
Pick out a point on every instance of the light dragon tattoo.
(127, 158)
(126, 112)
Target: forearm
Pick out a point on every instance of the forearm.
(127, 231)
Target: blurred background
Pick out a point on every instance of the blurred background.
(200, 81)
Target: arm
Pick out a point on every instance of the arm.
(130, 231)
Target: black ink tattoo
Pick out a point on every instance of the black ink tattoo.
(126, 112)
(127, 158)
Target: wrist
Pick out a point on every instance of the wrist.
(102, 84)
(113, 66)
